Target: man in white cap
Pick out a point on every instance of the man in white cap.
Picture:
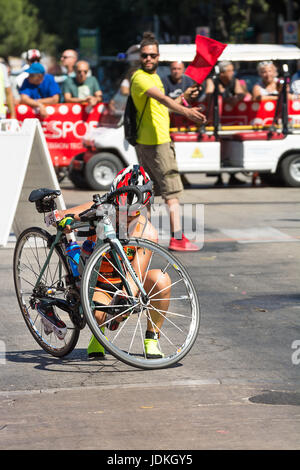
(31, 56)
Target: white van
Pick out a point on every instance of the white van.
(272, 149)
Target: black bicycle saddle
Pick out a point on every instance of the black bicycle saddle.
(39, 194)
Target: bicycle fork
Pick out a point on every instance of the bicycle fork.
(119, 256)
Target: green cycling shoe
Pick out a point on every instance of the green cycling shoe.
(152, 350)
(95, 349)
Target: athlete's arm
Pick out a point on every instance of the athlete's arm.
(191, 113)
(75, 210)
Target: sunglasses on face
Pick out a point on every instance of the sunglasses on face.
(82, 71)
(153, 56)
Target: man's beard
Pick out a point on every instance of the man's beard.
(152, 69)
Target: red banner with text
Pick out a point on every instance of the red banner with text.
(64, 127)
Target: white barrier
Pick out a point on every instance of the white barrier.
(25, 165)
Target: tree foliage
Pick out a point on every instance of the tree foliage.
(234, 20)
(54, 24)
(21, 29)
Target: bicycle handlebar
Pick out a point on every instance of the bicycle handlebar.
(110, 198)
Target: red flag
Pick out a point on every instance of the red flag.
(208, 52)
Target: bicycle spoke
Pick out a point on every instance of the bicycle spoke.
(116, 316)
(166, 318)
(141, 333)
(154, 327)
(119, 330)
(183, 297)
(160, 330)
(133, 336)
(163, 271)
(148, 267)
(28, 282)
(105, 279)
(116, 269)
(168, 312)
(167, 287)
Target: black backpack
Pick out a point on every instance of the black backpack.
(130, 127)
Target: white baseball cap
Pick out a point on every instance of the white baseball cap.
(33, 54)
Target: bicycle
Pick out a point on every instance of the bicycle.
(42, 274)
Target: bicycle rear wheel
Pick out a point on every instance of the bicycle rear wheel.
(31, 251)
(171, 309)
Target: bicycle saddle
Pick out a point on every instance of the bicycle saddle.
(39, 194)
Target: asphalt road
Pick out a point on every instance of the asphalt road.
(239, 387)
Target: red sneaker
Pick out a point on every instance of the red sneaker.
(182, 245)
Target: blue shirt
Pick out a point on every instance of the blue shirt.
(46, 89)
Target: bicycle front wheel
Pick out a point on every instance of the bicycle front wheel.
(171, 307)
(31, 252)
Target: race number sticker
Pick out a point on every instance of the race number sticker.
(52, 218)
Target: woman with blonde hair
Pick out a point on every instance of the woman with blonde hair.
(269, 85)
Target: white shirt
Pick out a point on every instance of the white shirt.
(5, 75)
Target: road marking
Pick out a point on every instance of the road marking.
(258, 235)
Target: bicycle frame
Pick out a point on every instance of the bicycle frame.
(119, 254)
(55, 242)
(111, 236)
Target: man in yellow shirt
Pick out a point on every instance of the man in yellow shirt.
(155, 151)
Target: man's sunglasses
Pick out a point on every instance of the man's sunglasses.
(153, 56)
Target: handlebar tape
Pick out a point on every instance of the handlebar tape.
(110, 198)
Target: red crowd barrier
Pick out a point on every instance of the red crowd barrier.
(244, 113)
(68, 123)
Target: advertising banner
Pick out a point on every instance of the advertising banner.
(64, 128)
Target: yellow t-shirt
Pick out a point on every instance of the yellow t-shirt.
(155, 125)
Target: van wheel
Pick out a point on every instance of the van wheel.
(290, 170)
(101, 169)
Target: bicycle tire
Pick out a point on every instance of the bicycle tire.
(30, 252)
(180, 328)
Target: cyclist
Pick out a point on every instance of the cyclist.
(137, 225)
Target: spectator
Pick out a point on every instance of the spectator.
(230, 91)
(154, 148)
(65, 68)
(32, 55)
(68, 60)
(117, 104)
(269, 86)
(6, 95)
(295, 85)
(177, 83)
(230, 88)
(39, 89)
(125, 83)
(82, 88)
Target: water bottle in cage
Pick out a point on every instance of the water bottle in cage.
(73, 252)
(86, 251)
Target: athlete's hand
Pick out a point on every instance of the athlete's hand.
(66, 223)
